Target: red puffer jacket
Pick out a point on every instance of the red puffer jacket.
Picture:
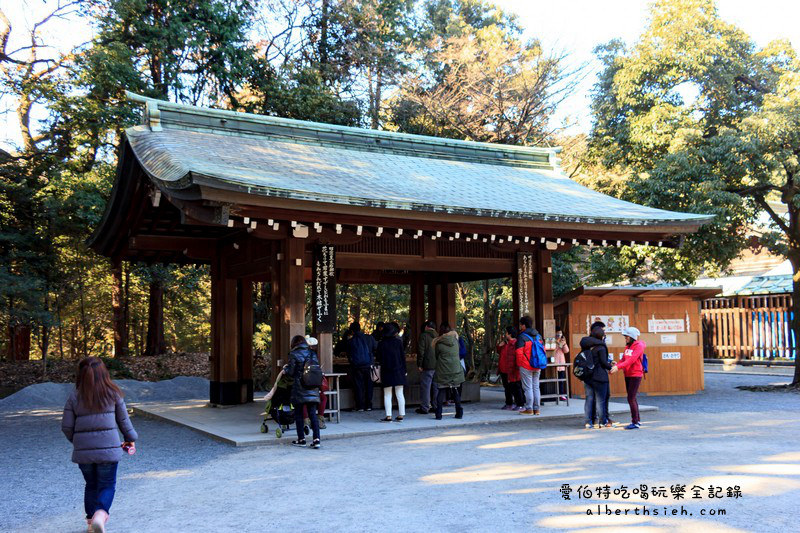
(631, 362)
(523, 352)
(508, 361)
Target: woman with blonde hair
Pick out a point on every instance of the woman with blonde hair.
(94, 415)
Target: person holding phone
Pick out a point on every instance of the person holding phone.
(560, 356)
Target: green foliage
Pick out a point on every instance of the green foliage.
(693, 114)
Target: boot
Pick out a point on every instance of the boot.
(460, 413)
(321, 421)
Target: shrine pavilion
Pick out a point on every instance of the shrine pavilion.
(289, 202)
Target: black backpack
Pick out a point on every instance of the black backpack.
(312, 374)
(583, 365)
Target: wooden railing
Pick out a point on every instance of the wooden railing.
(748, 327)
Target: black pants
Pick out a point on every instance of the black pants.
(312, 416)
(562, 385)
(513, 389)
(362, 386)
(440, 401)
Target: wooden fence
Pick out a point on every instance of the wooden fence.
(748, 327)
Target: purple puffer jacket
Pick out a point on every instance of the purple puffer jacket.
(95, 436)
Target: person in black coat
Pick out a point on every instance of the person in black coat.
(392, 358)
(301, 396)
(597, 386)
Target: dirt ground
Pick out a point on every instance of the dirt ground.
(477, 479)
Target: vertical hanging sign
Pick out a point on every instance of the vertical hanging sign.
(324, 285)
(525, 295)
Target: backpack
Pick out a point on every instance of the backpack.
(538, 355)
(583, 366)
(644, 363)
(312, 374)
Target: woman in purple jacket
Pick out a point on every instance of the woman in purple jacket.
(93, 417)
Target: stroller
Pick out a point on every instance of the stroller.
(279, 407)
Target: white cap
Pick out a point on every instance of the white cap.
(311, 341)
(631, 332)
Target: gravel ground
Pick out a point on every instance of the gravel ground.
(491, 478)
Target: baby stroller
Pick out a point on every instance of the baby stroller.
(279, 407)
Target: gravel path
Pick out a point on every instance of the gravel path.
(461, 480)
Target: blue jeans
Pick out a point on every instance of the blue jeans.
(101, 482)
(530, 387)
(596, 397)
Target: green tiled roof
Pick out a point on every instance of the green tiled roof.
(181, 147)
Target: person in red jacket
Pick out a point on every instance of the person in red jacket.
(631, 366)
(509, 371)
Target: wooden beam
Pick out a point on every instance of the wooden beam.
(328, 213)
(420, 264)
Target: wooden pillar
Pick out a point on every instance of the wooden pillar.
(231, 337)
(292, 297)
(325, 351)
(416, 310)
(434, 303)
(448, 304)
(544, 289)
(225, 337)
(244, 290)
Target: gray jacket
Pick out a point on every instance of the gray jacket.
(95, 436)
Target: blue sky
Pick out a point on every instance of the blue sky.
(577, 26)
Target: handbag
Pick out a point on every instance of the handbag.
(375, 373)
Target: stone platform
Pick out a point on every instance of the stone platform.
(240, 425)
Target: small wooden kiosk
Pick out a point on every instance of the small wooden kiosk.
(670, 325)
(289, 202)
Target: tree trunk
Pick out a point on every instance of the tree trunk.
(323, 39)
(155, 320)
(119, 327)
(19, 345)
(794, 259)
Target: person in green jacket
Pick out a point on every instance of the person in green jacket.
(449, 373)
(426, 364)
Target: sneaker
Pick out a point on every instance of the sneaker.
(359, 410)
(421, 411)
(638, 425)
(507, 408)
(518, 408)
(536, 412)
(369, 409)
(526, 412)
(398, 419)
(562, 398)
(315, 445)
(588, 426)
(609, 424)
(99, 519)
(301, 442)
(632, 426)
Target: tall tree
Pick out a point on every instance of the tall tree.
(704, 122)
(188, 51)
(478, 80)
